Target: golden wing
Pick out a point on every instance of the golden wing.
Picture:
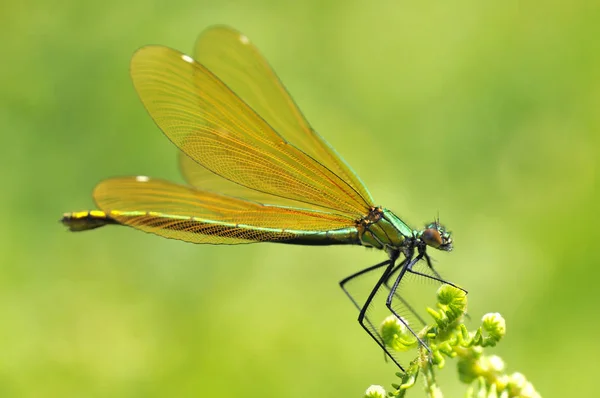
(181, 212)
(238, 63)
(211, 125)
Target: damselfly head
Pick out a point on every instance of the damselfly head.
(435, 235)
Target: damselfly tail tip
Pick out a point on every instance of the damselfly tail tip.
(85, 220)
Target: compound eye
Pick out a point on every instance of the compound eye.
(432, 237)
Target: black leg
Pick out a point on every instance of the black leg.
(365, 271)
(392, 294)
(437, 276)
(390, 271)
(368, 326)
(400, 298)
(364, 321)
(428, 260)
(357, 274)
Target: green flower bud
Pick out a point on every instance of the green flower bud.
(502, 382)
(375, 391)
(396, 335)
(452, 302)
(496, 363)
(529, 392)
(517, 380)
(494, 325)
(451, 296)
(435, 392)
(468, 370)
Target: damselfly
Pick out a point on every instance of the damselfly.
(257, 172)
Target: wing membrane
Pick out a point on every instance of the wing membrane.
(202, 178)
(238, 63)
(212, 126)
(178, 204)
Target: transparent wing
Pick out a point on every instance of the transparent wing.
(204, 179)
(238, 63)
(184, 213)
(209, 122)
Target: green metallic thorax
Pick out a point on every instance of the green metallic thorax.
(382, 229)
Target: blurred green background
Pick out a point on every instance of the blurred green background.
(487, 113)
